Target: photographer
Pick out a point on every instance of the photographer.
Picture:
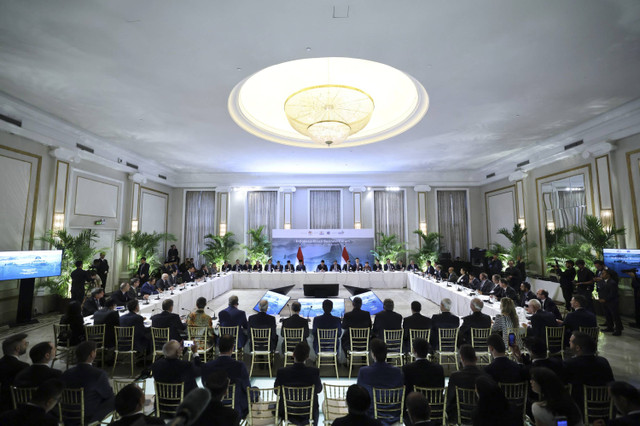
(566, 278)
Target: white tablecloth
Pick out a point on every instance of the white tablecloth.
(269, 280)
(553, 288)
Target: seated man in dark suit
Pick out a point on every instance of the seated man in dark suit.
(537, 357)
(358, 403)
(12, 347)
(580, 317)
(379, 374)
(279, 266)
(94, 302)
(121, 296)
(141, 335)
(452, 277)
(41, 355)
(356, 318)
(98, 395)
(400, 266)
(377, 266)
(263, 320)
(548, 304)
(585, 368)
(189, 275)
(502, 369)
(422, 372)
(415, 321)
(463, 279)
(135, 291)
(325, 321)
(232, 316)
(418, 411)
(322, 267)
(335, 267)
(129, 404)
(626, 398)
(412, 267)
(37, 411)
(163, 283)
(269, 267)
(110, 318)
(216, 413)
(257, 267)
(300, 375)
(289, 267)
(295, 321)
(301, 267)
(505, 290)
(386, 320)
(486, 285)
(347, 266)
(389, 267)
(236, 371)
(540, 320)
(247, 267)
(443, 320)
(149, 288)
(167, 319)
(237, 267)
(526, 294)
(476, 320)
(474, 282)
(171, 369)
(357, 266)
(464, 378)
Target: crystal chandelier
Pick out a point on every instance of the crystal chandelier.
(329, 113)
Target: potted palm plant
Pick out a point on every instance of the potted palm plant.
(389, 248)
(259, 247)
(146, 245)
(598, 236)
(219, 247)
(429, 249)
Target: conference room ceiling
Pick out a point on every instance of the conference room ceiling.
(153, 76)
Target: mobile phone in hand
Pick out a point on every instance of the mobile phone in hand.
(187, 343)
(512, 339)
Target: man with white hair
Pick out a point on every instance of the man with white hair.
(476, 320)
(163, 283)
(264, 320)
(171, 369)
(540, 320)
(444, 320)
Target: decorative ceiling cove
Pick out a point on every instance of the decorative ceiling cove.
(148, 82)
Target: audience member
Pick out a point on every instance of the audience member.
(608, 296)
(296, 321)
(476, 320)
(566, 279)
(299, 374)
(12, 347)
(418, 410)
(36, 412)
(236, 371)
(386, 320)
(463, 279)
(495, 265)
(217, 414)
(143, 270)
(167, 319)
(94, 302)
(232, 316)
(141, 335)
(98, 395)
(38, 372)
(580, 317)
(443, 320)
(553, 399)
(110, 318)
(122, 296)
(526, 294)
(626, 398)
(507, 320)
(149, 288)
(129, 404)
(78, 279)
(486, 285)
(358, 403)
(171, 369)
(493, 408)
(502, 369)
(513, 275)
(415, 321)
(74, 319)
(199, 318)
(547, 303)
(422, 372)
(379, 374)
(505, 290)
(537, 356)
(464, 378)
(452, 276)
(326, 321)
(540, 320)
(262, 320)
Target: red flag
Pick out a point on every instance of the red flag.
(300, 256)
(345, 254)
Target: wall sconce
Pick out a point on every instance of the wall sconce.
(222, 229)
(58, 222)
(606, 216)
(551, 226)
(134, 225)
(521, 222)
(423, 227)
(287, 226)
(357, 225)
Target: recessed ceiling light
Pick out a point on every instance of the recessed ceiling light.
(308, 49)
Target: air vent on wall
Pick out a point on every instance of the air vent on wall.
(162, 177)
(84, 148)
(489, 176)
(11, 120)
(133, 166)
(524, 163)
(573, 145)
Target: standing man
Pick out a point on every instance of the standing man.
(566, 279)
(102, 267)
(143, 270)
(172, 255)
(609, 298)
(495, 265)
(78, 278)
(635, 284)
(584, 283)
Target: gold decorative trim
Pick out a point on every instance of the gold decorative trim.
(613, 211)
(55, 189)
(222, 195)
(634, 205)
(486, 204)
(75, 197)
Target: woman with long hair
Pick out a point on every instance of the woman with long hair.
(508, 320)
(554, 399)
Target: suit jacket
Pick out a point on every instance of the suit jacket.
(423, 373)
(386, 320)
(325, 321)
(236, 267)
(589, 370)
(10, 366)
(443, 320)
(357, 318)
(91, 305)
(238, 374)
(166, 319)
(463, 280)
(300, 375)
(609, 291)
(217, 414)
(98, 395)
(389, 267)
(28, 415)
(131, 420)
(264, 320)
(321, 268)
(134, 293)
(550, 306)
(148, 288)
(415, 321)
(120, 297)
(412, 267)
(172, 370)
(554, 364)
(377, 267)
(295, 321)
(453, 277)
(143, 271)
(464, 378)
(300, 267)
(269, 267)
(35, 375)
(486, 286)
(110, 318)
(257, 267)
(379, 375)
(141, 336)
(475, 284)
(579, 318)
(356, 267)
(232, 316)
(289, 267)
(356, 419)
(400, 267)
(495, 267)
(188, 277)
(335, 268)
(539, 321)
(226, 268)
(503, 370)
(279, 267)
(103, 267)
(430, 270)
(628, 420)
(525, 297)
(163, 285)
(475, 320)
(507, 292)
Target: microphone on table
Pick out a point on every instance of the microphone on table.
(213, 317)
(192, 407)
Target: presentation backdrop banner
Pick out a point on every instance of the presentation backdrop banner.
(319, 244)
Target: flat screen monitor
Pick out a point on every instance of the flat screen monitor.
(311, 308)
(321, 290)
(17, 265)
(276, 301)
(370, 302)
(621, 260)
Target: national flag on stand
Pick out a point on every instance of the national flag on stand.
(345, 255)
(300, 256)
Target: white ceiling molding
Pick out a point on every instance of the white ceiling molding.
(422, 188)
(598, 149)
(357, 188)
(517, 175)
(287, 189)
(137, 178)
(65, 154)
